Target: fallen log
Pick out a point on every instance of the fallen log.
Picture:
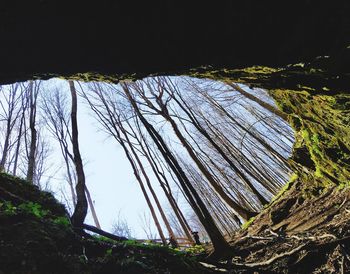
(104, 233)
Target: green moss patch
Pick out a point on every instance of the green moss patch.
(248, 223)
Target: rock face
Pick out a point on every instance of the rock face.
(299, 52)
(40, 37)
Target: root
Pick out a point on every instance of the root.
(308, 246)
(273, 259)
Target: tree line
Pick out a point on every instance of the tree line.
(222, 147)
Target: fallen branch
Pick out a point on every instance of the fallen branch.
(104, 233)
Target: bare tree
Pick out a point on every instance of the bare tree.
(121, 227)
(21, 131)
(81, 207)
(227, 173)
(33, 92)
(54, 107)
(219, 243)
(10, 110)
(159, 106)
(58, 120)
(146, 226)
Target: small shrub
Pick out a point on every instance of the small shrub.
(195, 250)
(8, 208)
(63, 221)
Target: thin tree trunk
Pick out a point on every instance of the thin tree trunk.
(163, 181)
(184, 225)
(69, 175)
(148, 201)
(165, 219)
(154, 195)
(33, 132)
(11, 118)
(92, 208)
(19, 138)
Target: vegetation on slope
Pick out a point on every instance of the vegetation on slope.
(36, 237)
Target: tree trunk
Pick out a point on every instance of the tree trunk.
(19, 138)
(184, 225)
(144, 173)
(162, 181)
(149, 203)
(33, 133)
(81, 207)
